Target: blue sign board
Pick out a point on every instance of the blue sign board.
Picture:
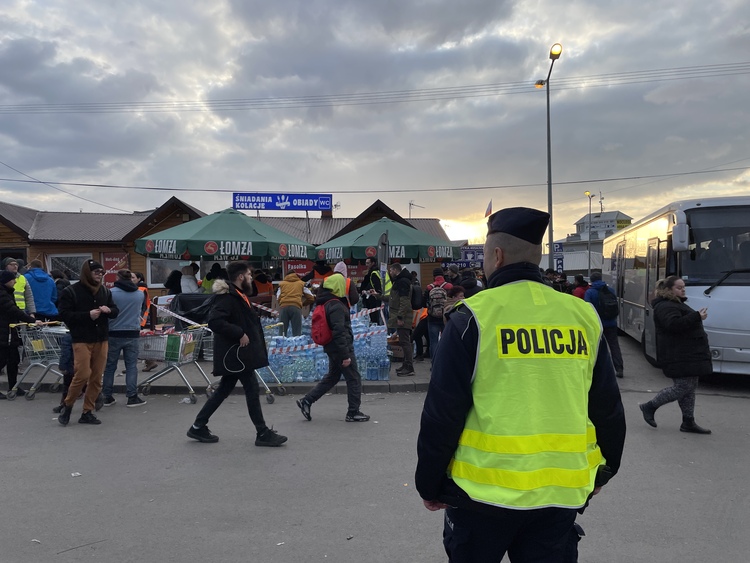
(282, 202)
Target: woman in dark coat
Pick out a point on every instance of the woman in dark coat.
(173, 283)
(682, 351)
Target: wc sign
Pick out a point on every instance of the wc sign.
(282, 202)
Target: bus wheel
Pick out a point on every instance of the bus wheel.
(649, 359)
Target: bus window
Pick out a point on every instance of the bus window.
(716, 245)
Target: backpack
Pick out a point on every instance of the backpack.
(416, 299)
(321, 330)
(608, 307)
(437, 298)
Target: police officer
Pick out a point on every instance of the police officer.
(523, 420)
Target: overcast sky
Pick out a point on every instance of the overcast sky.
(308, 53)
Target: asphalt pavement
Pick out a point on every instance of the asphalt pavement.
(135, 488)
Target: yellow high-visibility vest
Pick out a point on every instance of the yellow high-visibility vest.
(19, 292)
(527, 441)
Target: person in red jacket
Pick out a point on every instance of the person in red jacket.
(580, 287)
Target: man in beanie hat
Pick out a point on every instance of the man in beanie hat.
(9, 340)
(517, 434)
(124, 331)
(86, 308)
(22, 293)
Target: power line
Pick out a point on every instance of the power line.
(396, 190)
(385, 97)
(34, 180)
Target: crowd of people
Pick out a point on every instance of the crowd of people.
(515, 439)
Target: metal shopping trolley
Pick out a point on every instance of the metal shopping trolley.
(41, 347)
(176, 350)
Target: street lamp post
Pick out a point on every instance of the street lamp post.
(554, 54)
(589, 195)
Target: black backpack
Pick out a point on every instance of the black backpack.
(416, 298)
(608, 307)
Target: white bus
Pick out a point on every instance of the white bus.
(707, 243)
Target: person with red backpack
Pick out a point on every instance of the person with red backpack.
(436, 297)
(332, 328)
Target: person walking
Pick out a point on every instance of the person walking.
(43, 290)
(340, 352)
(608, 316)
(239, 349)
(517, 434)
(400, 317)
(372, 290)
(291, 296)
(682, 351)
(9, 339)
(124, 332)
(86, 308)
(61, 281)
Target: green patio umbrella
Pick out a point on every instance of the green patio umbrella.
(224, 235)
(404, 242)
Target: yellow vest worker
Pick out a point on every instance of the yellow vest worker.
(523, 419)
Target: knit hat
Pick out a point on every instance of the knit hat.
(340, 268)
(453, 268)
(6, 276)
(94, 265)
(437, 272)
(9, 260)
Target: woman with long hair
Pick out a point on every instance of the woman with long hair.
(682, 351)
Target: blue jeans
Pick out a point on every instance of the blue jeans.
(433, 330)
(129, 347)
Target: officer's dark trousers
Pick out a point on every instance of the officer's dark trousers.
(538, 536)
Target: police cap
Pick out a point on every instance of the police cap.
(520, 222)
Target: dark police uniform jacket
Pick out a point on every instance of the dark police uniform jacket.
(449, 399)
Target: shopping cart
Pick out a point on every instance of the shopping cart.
(176, 350)
(208, 354)
(41, 347)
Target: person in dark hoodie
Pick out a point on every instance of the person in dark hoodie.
(86, 309)
(9, 339)
(469, 283)
(320, 272)
(239, 349)
(173, 283)
(61, 281)
(683, 351)
(124, 332)
(44, 290)
(340, 351)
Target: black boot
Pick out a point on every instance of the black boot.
(64, 416)
(689, 425)
(648, 413)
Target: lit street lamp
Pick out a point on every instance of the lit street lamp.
(589, 195)
(554, 54)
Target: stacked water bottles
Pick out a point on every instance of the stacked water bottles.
(312, 364)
